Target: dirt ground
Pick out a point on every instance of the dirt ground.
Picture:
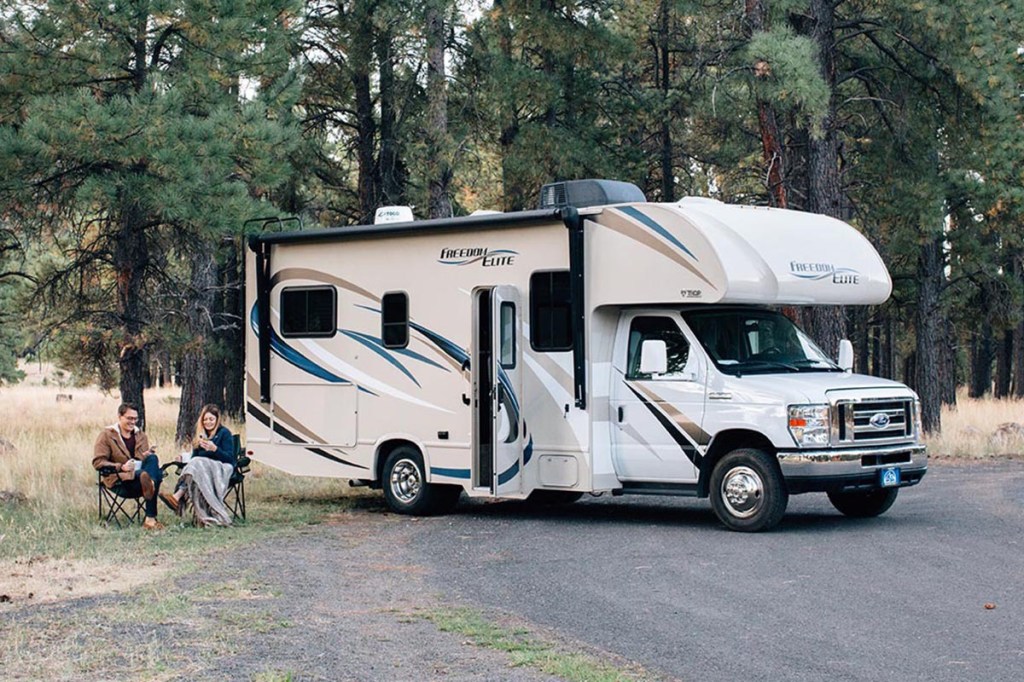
(330, 602)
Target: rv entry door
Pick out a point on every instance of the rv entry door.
(497, 378)
(508, 389)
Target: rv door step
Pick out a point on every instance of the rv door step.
(657, 488)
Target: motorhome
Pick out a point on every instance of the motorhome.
(598, 344)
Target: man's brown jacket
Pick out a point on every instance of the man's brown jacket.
(110, 447)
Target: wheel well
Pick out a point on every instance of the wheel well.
(385, 449)
(724, 443)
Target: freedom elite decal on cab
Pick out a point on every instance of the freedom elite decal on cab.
(819, 271)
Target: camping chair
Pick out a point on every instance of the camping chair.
(234, 497)
(115, 504)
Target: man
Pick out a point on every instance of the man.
(126, 447)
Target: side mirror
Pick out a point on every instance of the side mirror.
(653, 357)
(845, 360)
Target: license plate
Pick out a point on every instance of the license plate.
(890, 477)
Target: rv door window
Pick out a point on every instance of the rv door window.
(550, 311)
(394, 320)
(659, 329)
(507, 342)
(308, 311)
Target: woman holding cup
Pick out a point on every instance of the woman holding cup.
(206, 474)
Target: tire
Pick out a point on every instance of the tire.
(864, 504)
(747, 491)
(552, 497)
(406, 490)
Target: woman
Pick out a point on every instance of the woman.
(205, 478)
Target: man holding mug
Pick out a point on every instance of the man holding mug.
(125, 447)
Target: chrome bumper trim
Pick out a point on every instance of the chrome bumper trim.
(842, 462)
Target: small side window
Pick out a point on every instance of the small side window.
(394, 319)
(550, 311)
(309, 311)
(507, 335)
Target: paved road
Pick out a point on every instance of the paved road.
(659, 581)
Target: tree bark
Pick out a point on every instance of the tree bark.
(983, 354)
(194, 369)
(824, 191)
(391, 171)
(131, 258)
(948, 370)
(1004, 362)
(234, 303)
(663, 64)
(926, 376)
(361, 56)
(771, 138)
(439, 167)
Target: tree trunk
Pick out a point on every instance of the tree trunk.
(234, 363)
(1018, 362)
(663, 64)
(194, 369)
(391, 171)
(439, 171)
(824, 188)
(926, 376)
(131, 258)
(771, 138)
(361, 56)
(948, 372)
(1004, 362)
(983, 354)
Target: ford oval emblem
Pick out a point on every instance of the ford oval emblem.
(879, 420)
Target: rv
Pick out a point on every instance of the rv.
(598, 344)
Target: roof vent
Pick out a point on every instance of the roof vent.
(583, 193)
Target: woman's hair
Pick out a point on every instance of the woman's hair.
(200, 431)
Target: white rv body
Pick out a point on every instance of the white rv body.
(491, 351)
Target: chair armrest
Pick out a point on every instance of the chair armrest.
(107, 471)
(177, 466)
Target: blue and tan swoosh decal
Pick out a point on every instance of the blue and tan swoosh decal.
(683, 431)
(641, 226)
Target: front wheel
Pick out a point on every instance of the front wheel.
(406, 489)
(747, 491)
(864, 504)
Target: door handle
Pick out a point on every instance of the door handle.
(622, 414)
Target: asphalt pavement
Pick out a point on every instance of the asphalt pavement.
(932, 590)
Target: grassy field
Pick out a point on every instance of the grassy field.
(50, 540)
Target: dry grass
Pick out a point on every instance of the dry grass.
(51, 529)
(979, 429)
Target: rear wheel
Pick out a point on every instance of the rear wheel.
(864, 504)
(747, 491)
(406, 489)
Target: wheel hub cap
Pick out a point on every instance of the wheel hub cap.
(742, 492)
(406, 481)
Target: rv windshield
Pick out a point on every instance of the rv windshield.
(755, 341)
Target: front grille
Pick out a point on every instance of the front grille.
(874, 421)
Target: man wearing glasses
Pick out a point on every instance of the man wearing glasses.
(125, 447)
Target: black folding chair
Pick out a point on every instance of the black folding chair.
(116, 504)
(234, 497)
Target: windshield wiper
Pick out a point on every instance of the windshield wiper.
(746, 364)
(810, 363)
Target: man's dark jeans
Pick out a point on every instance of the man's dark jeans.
(132, 488)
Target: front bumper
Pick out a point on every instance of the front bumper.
(808, 471)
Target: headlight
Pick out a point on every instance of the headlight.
(809, 424)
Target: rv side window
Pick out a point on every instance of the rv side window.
(507, 335)
(395, 320)
(550, 311)
(308, 311)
